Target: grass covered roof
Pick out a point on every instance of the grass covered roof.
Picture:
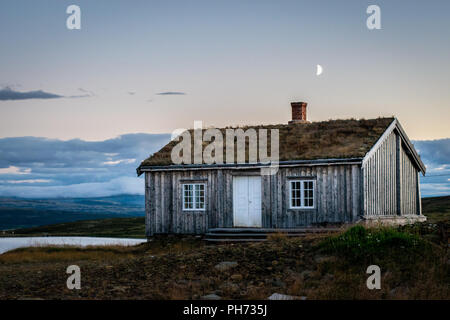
(307, 141)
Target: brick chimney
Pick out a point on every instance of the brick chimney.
(298, 112)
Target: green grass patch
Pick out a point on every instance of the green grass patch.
(360, 243)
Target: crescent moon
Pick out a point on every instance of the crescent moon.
(319, 70)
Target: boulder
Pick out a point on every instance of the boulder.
(225, 265)
(236, 277)
(211, 296)
(280, 296)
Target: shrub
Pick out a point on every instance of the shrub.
(359, 242)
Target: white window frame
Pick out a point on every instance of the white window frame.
(302, 193)
(194, 198)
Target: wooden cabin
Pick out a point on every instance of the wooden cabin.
(330, 172)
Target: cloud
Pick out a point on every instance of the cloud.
(28, 181)
(86, 91)
(436, 156)
(33, 167)
(171, 93)
(122, 185)
(79, 96)
(7, 94)
(14, 170)
(10, 94)
(111, 162)
(434, 151)
(86, 94)
(435, 189)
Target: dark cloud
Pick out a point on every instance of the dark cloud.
(86, 94)
(39, 167)
(436, 156)
(10, 94)
(434, 151)
(80, 96)
(171, 93)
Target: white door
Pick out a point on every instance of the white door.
(247, 201)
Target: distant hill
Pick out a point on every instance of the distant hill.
(436, 208)
(24, 213)
(111, 228)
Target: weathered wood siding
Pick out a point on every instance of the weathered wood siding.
(390, 180)
(408, 185)
(380, 179)
(337, 198)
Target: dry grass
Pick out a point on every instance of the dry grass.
(277, 237)
(63, 253)
(67, 253)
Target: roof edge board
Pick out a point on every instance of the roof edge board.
(411, 148)
(142, 169)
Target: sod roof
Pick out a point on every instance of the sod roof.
(332, 139)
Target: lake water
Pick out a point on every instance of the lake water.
(7, 244)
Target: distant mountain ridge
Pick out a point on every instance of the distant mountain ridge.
(24, 213)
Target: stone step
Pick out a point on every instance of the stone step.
(233, 240)
(247, 235)
(258, 234)
(235, 235)
(270, 230)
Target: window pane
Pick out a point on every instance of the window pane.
(296, 193)
(188, 196)
(196, 196)
(308, 194)
(199, 200)
(293, 193)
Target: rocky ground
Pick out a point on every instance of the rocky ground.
(186, 268)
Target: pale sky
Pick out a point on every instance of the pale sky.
(238, 62)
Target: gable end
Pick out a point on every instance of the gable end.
(411, 151)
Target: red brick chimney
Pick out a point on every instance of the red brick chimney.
(298, 112)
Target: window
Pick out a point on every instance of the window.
(301, 194)
(194, 196)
